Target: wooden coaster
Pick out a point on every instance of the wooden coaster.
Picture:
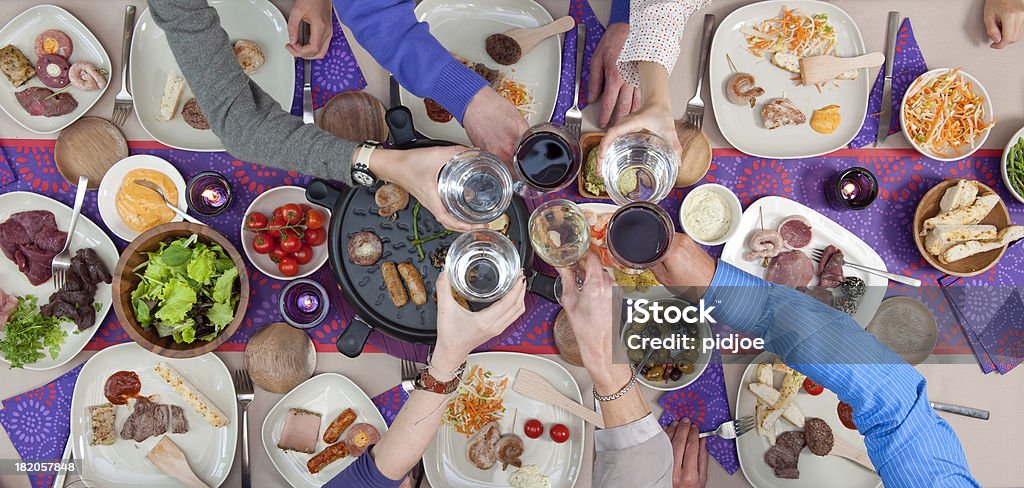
(89, 147)
(907, 326)
(354, 116)
(565, 340)
(279, 357)
(696, 154)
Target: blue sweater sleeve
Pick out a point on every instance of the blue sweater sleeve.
(620, 12)
(389, 31)
(363, 473)
(907, 442)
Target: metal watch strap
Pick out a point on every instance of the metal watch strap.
(616, 395)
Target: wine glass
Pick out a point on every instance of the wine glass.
(475, 186)
(483, 265)
(560, 235)
(639, 235)
(547, 158)
(639, 167)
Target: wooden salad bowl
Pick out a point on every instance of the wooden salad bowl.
(125, 281)
(974, 265)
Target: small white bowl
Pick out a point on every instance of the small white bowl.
(1002, 165)
(986, 105)
(703, 358)
(106, 195)
(265, 204)
(731, 201)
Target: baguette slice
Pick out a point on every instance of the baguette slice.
(770, 396)
(961, 195)
(944, 236)
(969, 215)
(101, 425)
(173, 90)
(970, 248)
(202, 405)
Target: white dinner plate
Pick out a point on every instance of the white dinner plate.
(152, 59)
(210, 451)
(22, 32)
(266, 203)
(461, 26)
(87, 234)
(741, 125)
(327, 394)
(815, 471)
(824, 232)
(106, 198)
(445, 462)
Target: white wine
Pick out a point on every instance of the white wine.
(559, 233)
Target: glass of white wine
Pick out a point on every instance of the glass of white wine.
(560, 235)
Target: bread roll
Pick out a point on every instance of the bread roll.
(942, 237)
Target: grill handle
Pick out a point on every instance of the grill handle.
(353, 338)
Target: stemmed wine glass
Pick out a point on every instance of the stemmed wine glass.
(547, 158)
(560, 235)
(639, 235)
(639, 167)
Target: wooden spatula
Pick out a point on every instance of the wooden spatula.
(529, 38)
(168, 458)
(847, 451)
(819, 69)
(532, 385)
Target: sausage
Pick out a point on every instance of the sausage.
(393, 282)
(329, 455)
(87, 77)
(741, 89)
(414, 282)
(342, 422)
(390, 198)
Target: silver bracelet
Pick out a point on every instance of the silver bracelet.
(616, 395)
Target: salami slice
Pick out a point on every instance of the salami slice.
(54, 42)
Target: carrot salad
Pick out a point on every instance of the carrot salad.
(942, 113)
(791, 32)
(477, 402)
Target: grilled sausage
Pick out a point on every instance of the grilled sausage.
(342, 422)
(329, 455)
(414, 282)
(393, 282)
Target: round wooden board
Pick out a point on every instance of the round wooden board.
(89, 147)
(974, 265)
(565, 340)
(354, 116)
(696, 154)
(279, 357)
(907, 326)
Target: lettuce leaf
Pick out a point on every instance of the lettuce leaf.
(201, 267)
(220, 315)
(224, 287)
(178, 299)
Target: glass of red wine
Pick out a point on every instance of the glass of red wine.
(547, 158)
(639, 235)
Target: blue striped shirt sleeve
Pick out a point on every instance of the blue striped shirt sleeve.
(907, 442)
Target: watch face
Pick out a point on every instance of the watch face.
(362, 178)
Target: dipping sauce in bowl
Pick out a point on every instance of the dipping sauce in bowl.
(710, 214)
(140, 208)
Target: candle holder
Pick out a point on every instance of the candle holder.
(304, 304)
(852, 189)
(208, 194)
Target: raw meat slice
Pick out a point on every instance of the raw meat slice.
(792, 269)
(830, 268)
(795, 232)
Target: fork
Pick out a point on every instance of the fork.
(574, 116)
(123, 100)
(906, 280)
(695, 107)
(731, 429)
(244, 394)
(62, 261)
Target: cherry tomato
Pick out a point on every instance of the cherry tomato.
(288, 266)
(292, 213)
(278, 213)
(315, 237)
(275, 226)
(263, 243)
(304, 254)
(533, 428)
(277, 254)
(845, 412)
(812, 387)
(314, 219)
(256, 221)
(305, 207)
(290, 242)
(559, 433)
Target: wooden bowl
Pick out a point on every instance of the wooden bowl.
(589, 141)
(125, 282)
(969, 266)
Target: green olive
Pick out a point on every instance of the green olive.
(654, 374)
(635, 355)
(685, 368)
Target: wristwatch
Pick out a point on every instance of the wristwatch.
(425, 381)
(361, 174)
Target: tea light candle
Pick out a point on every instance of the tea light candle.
(852, 189)
(304, 304)
(209, 193)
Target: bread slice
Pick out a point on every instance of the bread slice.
(202, 405)
(944, 236)
(961, 195)
(970, 248)
(101, 424)
(971, 214)
(173, 90)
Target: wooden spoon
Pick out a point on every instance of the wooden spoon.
(819, 69)
(168, 458)
(847, 451)
(526, 39)
(533, 385)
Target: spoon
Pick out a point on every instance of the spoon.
(819, 69)
(167, 456)
(509, 47)
(149, 185)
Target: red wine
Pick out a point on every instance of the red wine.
(638, 235)
(546, 160)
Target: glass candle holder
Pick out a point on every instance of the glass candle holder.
(304, 303)
(852, 189)
(483, 265)
(639, 167)
(547, 158)
(475, 186)
(208, 194)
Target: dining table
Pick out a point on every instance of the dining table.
(949, 33)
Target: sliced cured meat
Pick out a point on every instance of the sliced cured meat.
(150, 419)
(510, 449)
(54, 42)
(482, 448)
(360, 437)
(781, 112)
(795, 232)
(791, 268)
(785, 454)
(742, 90)
(830, 268)
(818, 436)
(87, 77)
(39, 101)
(764, 243)
(53, 70)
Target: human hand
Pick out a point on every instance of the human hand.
(686, 264)
(605, 83)
(655, 118)
(690, 468)
(493, 123)
(459, 331)
(316, 13)
(416, 170)
(1004, 21)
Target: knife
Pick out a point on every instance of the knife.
(890, 52)
(307, 79)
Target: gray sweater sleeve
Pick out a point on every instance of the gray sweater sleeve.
(249, 121)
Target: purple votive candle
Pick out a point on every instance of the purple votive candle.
(208, 193)
(852, 189)
(304, 303)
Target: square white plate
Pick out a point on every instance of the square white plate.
(22, 31)
(209, 451)
(741, 125)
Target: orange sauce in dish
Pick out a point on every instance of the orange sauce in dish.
(140, 208)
